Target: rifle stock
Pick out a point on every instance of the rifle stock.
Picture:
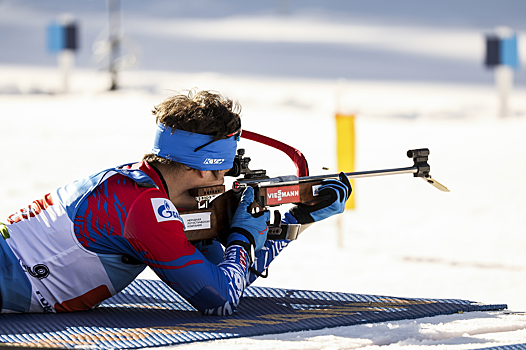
(210, 222)
(213, 221)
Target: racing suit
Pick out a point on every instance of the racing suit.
(88, 240)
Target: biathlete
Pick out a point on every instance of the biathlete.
(88, 240)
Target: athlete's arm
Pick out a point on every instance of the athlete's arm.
(155, 231)
(267, 254)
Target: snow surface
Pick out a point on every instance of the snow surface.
(404, 239)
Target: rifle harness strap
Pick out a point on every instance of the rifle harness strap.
(259, 274)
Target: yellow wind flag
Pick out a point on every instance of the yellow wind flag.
(345, 149)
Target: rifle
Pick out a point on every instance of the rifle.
(216, 207)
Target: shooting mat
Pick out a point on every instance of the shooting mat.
(507, 347)
(148, 313)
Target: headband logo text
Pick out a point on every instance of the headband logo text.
(213, 161)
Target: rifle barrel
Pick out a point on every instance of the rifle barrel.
(293, 179)
(359, 174)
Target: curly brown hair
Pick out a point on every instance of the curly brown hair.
(203, 112)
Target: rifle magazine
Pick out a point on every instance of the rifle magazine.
(289, 232)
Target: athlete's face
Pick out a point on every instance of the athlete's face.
(217, 178)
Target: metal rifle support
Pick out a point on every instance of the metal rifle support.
(420, 161)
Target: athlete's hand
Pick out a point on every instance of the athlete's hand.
(333, 195)
(246, 227)
(213, 251)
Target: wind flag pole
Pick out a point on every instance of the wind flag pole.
(114, 40)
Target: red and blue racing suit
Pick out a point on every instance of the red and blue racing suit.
(117, 216)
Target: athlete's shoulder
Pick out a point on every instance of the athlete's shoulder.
(153, 225)
(145, 175)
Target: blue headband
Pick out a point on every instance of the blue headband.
(187, 148)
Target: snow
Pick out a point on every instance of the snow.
(404, 239)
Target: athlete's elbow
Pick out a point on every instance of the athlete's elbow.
(221, 310)
(208, 301)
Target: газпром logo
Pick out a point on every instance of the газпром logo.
(164, 210)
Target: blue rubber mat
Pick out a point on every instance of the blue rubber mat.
(507, 347)
(148, 313)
